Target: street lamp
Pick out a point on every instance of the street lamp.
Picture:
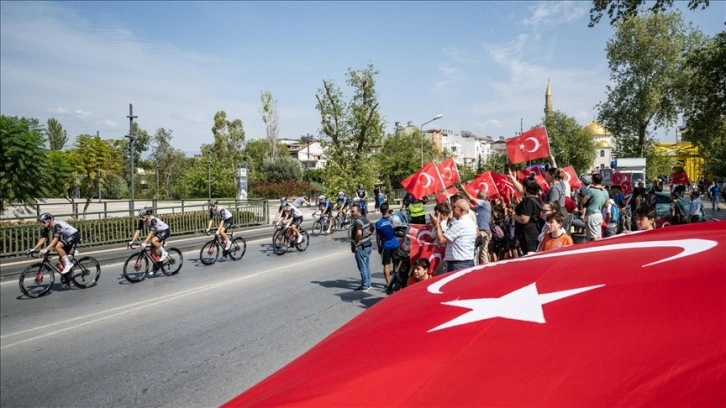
(439, 116)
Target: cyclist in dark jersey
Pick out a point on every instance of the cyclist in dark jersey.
(225, 221)
(64, 237)
(158, 231)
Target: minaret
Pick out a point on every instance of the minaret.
(548, 99)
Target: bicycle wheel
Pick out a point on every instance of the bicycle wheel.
(317, 228)
(36, 280)
(335, 225)
(209, 253)
(302, 246)
(136, 267)
(281, 243)
(172, 265)
(238, 248)
(86, 272)
(276, 236)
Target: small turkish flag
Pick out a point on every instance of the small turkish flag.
(505, 187)
(571, 177)
(534, 331)
(423, 182)
(530, 145)
(449, 172)
(484, 182)
(624, 181)
(680, 177)
(444, 197)
(422, 239)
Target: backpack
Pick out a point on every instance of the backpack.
(497, 232)
(614, 213)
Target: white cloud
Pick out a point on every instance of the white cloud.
(58, 111)
(81, 113)
(555, 12)
(456, 54)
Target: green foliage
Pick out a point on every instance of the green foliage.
(352, 126)
(496, 163)
(57, 170)
(271, 118)
(646, 69)
(22, 159)
(92, 160)
(400, 155)
(704, 102)
(57, 136)
(621, 9)
(656, 164)
(289, 188)
(569, 142)
(281, 169)
(168, 161)
(466, 174)
(115, 187)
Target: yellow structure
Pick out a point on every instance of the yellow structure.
(603, 145)
(685, 155)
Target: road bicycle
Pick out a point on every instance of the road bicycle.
(38, 278)
(146, 262)
(284, 239)
(321, 223)
(212, 249)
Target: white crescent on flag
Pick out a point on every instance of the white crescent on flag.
(425, 233)
(448, 174)
(484, 186)
(429, 180)
(536, 144)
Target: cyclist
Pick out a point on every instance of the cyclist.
(225, 221)
(326, 209)
(64, 237)
(158, 231)
(295, 218)
(344, 202)
(278, 216)
(362, 195)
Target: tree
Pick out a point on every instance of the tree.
(400, 155)
(92, 160)
(270, 117)
(704, 102)
(619, 10)
(282, 169)
(353, 127)
(57, 136)
(225, 154)
(22, 159)
(646, 67)
(168, 162)
(569, 142)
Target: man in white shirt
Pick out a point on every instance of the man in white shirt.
(459, 238)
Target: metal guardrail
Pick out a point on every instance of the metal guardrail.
(117, 226)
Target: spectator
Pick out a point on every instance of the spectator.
(386, 241)
(645, 218)
(527, 216)
(460, 238)
(696, 207)
(483, 222)
(715, 192)
(594, 200)
(557, 237)
(419, 272)
(361, 245)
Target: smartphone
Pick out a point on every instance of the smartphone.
(506, 168)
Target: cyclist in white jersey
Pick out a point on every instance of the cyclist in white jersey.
(158, 231)
(225, 221)
(295, 216)
(64, 237)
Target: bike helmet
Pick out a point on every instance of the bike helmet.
(145, 211)
(44, 217)
(283, 199)
(322, 197)
(341, 194)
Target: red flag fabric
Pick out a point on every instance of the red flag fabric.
(571, 177)
(535, 169)
(422, 239)
(423, 182)
(534, 332)
(505, 187)
(530, 145)
(484, 182)
(449, 172)
(542, 183)
(680, 177)
(444, 197)
(624, 181)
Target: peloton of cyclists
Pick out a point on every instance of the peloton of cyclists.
(158, 232)
(225, 221)
(295, 218)
(64, 237)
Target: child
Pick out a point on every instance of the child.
(420, 271)
(556, 237)
(645, 218)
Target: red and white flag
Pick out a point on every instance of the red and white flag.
(424, 182)
(484, 182)
(530, 145)
(527, 171)
(680, 177)
(505, 187)
(571, 177)
(444, 197)
(449, 172)
(623, 180)
(422, 239)
(534, 331)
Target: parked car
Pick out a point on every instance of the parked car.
(663, 208)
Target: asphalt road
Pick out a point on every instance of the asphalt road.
(193, 340)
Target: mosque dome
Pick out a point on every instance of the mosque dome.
(603, 144)
(594, 129)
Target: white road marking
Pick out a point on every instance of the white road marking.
(125, 309)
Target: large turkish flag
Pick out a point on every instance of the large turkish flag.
(633, 320)
(530, 145)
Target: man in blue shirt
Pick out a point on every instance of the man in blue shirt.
(386, 240)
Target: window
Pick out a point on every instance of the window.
(602, 153)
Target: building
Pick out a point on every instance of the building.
(604, 145)
(309, 154)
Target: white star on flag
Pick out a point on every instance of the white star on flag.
(521, 146)
(523, 304)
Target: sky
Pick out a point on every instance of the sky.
(483, 65)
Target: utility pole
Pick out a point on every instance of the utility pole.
(209, 174)
(131, 137)
(98, 135)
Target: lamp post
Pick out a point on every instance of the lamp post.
(131, 137)
(439, 116)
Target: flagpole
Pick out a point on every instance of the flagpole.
(441, 179)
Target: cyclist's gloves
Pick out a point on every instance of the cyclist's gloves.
(30, 251)
(143, 245)
(131, 243)
(43, 251)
